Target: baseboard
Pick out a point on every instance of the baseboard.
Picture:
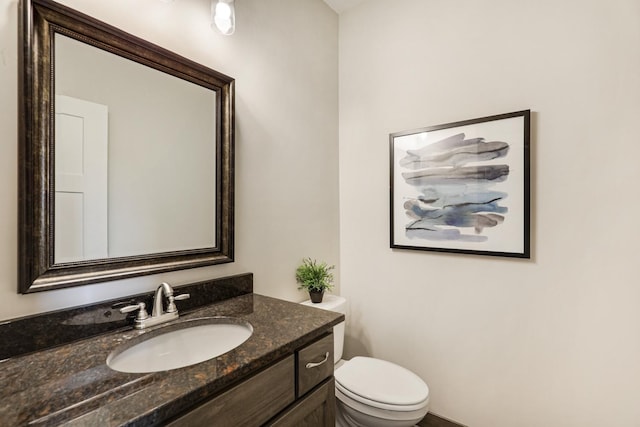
(432, 420)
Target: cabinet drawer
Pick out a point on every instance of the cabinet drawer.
(250, 403)
(315, 363)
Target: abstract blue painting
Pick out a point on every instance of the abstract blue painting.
(463, 186)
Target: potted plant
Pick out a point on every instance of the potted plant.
(315, 278)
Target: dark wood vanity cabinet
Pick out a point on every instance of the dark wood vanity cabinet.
(295, 391)
(315, 406)
(315, 410)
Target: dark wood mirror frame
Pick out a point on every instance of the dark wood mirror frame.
(37, 271)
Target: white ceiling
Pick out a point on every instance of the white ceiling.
(342, 5)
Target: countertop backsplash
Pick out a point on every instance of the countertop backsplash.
(38, 332)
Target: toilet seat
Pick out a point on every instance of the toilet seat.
(380, 384)
(373, 416)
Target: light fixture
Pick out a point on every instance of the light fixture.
(224, 16)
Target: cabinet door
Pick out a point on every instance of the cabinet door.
(317, 409)
(248, 404)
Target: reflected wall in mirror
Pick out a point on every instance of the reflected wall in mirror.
(126, 154)
(128, 161)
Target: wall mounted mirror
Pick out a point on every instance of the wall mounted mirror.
(125, 154)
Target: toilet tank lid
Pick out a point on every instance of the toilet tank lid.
(329, 302)
(381, 381)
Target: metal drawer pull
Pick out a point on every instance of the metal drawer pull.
(314, 365)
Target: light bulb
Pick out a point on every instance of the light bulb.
(223, 11)
(224, 18)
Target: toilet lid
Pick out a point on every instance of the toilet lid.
(381, 381)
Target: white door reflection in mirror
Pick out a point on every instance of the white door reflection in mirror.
(81, 180)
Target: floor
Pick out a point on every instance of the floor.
(435, 421)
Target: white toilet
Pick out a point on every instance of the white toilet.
(372, 392)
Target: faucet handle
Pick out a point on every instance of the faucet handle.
(181, 297)
(171, 308)
(142, 310)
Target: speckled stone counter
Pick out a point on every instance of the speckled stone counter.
(72, 385)
(45, 330)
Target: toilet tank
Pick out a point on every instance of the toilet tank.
(339, 304)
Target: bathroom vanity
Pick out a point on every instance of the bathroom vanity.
(281, 376)
(283, 387)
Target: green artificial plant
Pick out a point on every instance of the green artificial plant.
(314, 276)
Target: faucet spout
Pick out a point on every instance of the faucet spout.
(163, 290)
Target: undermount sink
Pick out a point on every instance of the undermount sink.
(180, 344)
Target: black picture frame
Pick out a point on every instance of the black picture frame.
(463, 187)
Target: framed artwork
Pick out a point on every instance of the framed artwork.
(463, 187)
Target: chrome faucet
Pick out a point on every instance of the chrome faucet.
(158, 314)
(167, 291)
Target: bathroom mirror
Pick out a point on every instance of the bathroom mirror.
(125, 154)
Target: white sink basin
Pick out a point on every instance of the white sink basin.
(179, 345)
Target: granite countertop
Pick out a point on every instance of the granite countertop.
(72, 385)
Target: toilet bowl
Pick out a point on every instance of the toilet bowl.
(372, 392)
